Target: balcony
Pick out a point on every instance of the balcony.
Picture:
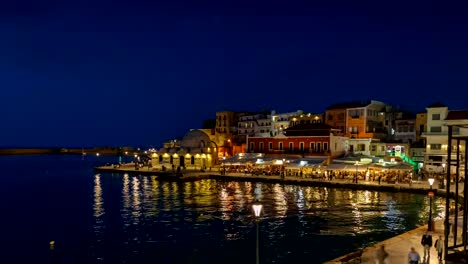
(443, 133)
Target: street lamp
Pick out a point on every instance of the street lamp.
(443, 176)
(357, 164)
(257, 208)
(429, 224)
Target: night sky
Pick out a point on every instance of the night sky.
(85, 73)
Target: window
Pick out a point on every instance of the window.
(435, 116)
(252, 146)
(330, 117)
(382, 148)
(280, 145)
(312, 146)
(436, 129)
(373, 148)
(436, 146)
(270, 146)
(301, 146)
(361, 147)
(341, 116)
(260, 146)
(325, 146)
(291, 146)
(318, 147)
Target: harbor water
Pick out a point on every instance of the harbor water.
(121, 218)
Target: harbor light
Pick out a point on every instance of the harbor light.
(430, 226)
(257, 208)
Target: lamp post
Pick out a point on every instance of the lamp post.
(442, 177)
(429, 224)
(257, 208)
(357, 164)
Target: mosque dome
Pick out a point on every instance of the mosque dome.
(195, 139)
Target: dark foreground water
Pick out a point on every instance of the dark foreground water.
(113, 218)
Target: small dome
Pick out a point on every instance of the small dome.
(195, 139)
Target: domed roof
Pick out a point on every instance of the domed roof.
(195, 139)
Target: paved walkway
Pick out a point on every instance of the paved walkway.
(398, 247)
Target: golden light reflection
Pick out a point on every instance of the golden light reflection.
(98, 200)
(226, 203)
(126, 192)
(280, 203)
(258, 191)
(136, 201)
(154, 193)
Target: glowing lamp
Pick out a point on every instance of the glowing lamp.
(431, 181)
(257, 208)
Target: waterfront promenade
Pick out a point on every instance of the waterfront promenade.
(397, 247)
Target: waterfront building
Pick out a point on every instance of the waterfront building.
(254, 125)
(335, 115)
(405, 130)
(281, 121)
(225, 135)
(365, 120)
(360, 146)
(436, 138)
(458, 120)
(438, 116)
(304, 118)
(266, 124)
(358, 119)
(378, 148)
(195, 151)
(421, 127)
(304, 139)
(417, 154)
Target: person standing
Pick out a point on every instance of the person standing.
(381, 255)
(413, 256)
(426, 242)
(439, 246)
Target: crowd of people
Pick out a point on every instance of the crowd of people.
(383, 176)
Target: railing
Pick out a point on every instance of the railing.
(443, 133)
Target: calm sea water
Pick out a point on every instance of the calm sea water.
(115, 218)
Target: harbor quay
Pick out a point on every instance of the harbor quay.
(397, 247)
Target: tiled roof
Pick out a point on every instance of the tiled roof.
(457, 115)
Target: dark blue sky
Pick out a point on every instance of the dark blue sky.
(83, 73)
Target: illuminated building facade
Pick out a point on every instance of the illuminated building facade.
(365, 121)
(195, 151)
(304, 139)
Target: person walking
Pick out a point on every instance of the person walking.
(381, 255)
(439, 246)
(413, 256)
(426, 242)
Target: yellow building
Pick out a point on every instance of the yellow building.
(195, 151)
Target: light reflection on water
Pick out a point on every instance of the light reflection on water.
(215, 216)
